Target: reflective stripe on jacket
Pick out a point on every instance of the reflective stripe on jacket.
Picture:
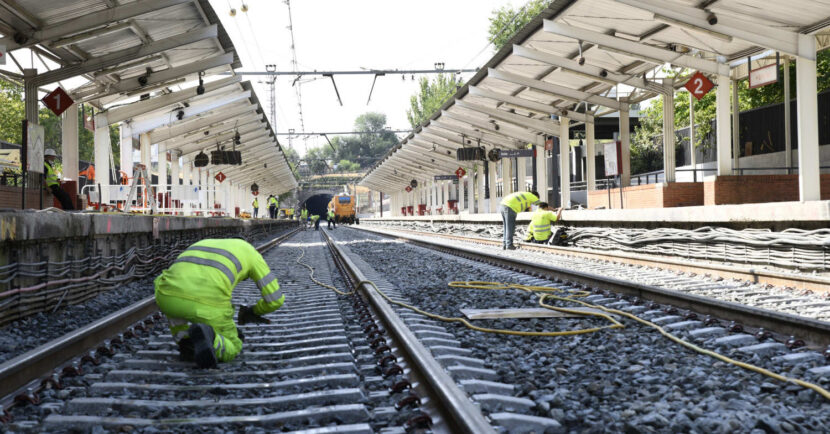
(304, 214)
(208, 271)
(519, 201)
(273, 202)
(539, 228)
(51, 175)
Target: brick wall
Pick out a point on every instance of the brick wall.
(10, 197)
(756, 189)
(650, 196)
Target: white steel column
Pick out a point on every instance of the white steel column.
(145, 150)
(507, 176)
(445, 191)
(102, 154)
(668, 131)
(127, 146)
(162, 170)
(482, 209)
(521, 173)
(471, 191)
(493, 203)
(625, 145)
(788, 142)
(565, 162)
(807, 104)
(736, 127)
(590, 157)
(541, 173)
(461, 182)
(69, 142)
(724, 130)
(693, 152)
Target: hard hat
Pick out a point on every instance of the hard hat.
(49, 153)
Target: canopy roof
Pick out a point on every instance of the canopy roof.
(584, 58)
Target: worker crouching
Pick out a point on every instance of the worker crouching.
(195, 295)
(539, 230)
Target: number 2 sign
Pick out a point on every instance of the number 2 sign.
(58, 101)
(699, 85)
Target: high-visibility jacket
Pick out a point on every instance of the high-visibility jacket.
(331, 214)
(207, 272)
(304, 214)
(272, 201)
(315, 217)
(51, 175)
(519, 201)
(255, 203)
(539, 228)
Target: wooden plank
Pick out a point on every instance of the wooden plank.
(538, 312)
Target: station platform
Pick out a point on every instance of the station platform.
(775, 216)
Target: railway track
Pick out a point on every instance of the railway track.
(699, 288)
(630, 379)
(325, 363)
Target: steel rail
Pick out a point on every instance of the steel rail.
(810, 330)
(19, 372)
(458, 411)
(817, 284)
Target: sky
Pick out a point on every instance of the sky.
(350, 35)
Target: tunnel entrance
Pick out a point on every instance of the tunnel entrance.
(318, 204)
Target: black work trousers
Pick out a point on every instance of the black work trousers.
(272, 211)
(332, 223)
(62, 196)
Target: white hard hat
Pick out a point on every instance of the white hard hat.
(49, 153)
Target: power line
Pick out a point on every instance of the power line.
(341, 133)
(295, 65)
(355, 72)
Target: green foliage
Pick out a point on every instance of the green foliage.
(430, 97)
(347, 166)
(11, 112)
(505, 22)
(350, 153)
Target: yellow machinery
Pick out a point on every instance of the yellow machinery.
(286, 213)
(343, 205)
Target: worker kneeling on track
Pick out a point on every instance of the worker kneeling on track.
(539, 230)
(195, 294)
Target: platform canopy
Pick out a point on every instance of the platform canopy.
(140, 63)
(585, 58)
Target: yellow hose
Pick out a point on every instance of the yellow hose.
(311, 275)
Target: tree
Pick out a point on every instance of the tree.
(431, 96)
(353, 152)
(505, 22)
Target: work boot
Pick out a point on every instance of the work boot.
(186, 350)
(203, 353)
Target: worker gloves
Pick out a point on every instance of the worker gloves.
(247, 316)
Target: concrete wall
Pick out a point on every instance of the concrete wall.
(720, 190)
(649, 196)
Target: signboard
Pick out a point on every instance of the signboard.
(58, 101)
(220, 177)
(460, 172)
(613, 157)
(763, 76)
(2, 54)
(699, 85)
(548, 144)
(515, 153)
(408, 189)
(89, 119)
(445, 177)
(35, 135)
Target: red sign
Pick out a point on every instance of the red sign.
(408, 189)
(220, 177)
(460, 172)
(256, 193)
(699, 85)
(58, 101)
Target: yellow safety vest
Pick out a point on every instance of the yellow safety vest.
(331, 214)
(207, 272)
(51, 175)
(315, 217)
(539, 228)
(256, 203)
(273, 202)
(304, 214)
(519, 201)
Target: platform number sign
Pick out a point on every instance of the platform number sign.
(460, 172)
(408, 189)
(2, 54)
(58, 101)
(699, 85)
(220, 177)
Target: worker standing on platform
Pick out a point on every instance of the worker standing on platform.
(255, 204)
(195, 294)
(273, 203)
(52, 181)
(510, 207)
(539, 230)
(330, 217)
(304, 218)
(316, 220)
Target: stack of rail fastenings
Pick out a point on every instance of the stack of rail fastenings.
(791, 248)
(28, 288)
